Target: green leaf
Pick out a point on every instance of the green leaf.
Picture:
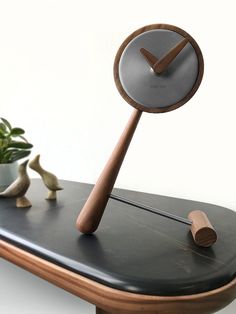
(23, 138)
(12, 149)
(19, 155)
(8, 125)
(21, 145)
(4, 143)
(6, 157)
(17, 132)
(3, 127)
(2, 134)
(1, 156)
(3, 131)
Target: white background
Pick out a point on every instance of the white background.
(56, 81)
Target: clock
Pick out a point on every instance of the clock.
(158, 68)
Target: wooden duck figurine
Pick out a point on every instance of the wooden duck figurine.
(19, 187)
(49, 179)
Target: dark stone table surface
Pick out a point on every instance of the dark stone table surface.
(132, 250)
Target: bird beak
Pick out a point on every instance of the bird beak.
(25, 163)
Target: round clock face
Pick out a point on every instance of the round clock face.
(158, 68)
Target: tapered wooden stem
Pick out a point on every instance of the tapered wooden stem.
(91, 214)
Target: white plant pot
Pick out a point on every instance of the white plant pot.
(8, 174)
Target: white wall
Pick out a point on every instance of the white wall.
(56, 81)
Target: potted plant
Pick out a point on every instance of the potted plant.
(13, 147)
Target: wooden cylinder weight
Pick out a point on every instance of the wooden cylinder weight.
(203, 233)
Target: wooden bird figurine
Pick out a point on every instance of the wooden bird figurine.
(19, 187)
(49, 179)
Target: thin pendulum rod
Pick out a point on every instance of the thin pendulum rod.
(151, 209)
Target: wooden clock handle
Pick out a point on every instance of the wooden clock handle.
(91, 214)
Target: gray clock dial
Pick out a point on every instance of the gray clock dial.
(148, 89)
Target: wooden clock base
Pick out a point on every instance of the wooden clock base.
(134, 263)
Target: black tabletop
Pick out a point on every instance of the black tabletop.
(132, 250)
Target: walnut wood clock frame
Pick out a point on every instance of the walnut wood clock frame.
(112, 301)
(180, 102)
(92, 212)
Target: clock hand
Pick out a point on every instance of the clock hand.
(150, 58)
(163, 63)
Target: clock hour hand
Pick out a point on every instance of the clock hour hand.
(150, 58)
(163, 63)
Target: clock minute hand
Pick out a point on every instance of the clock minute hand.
(150, 58)
(163, 63)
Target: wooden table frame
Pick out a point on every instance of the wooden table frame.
(108, 300)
